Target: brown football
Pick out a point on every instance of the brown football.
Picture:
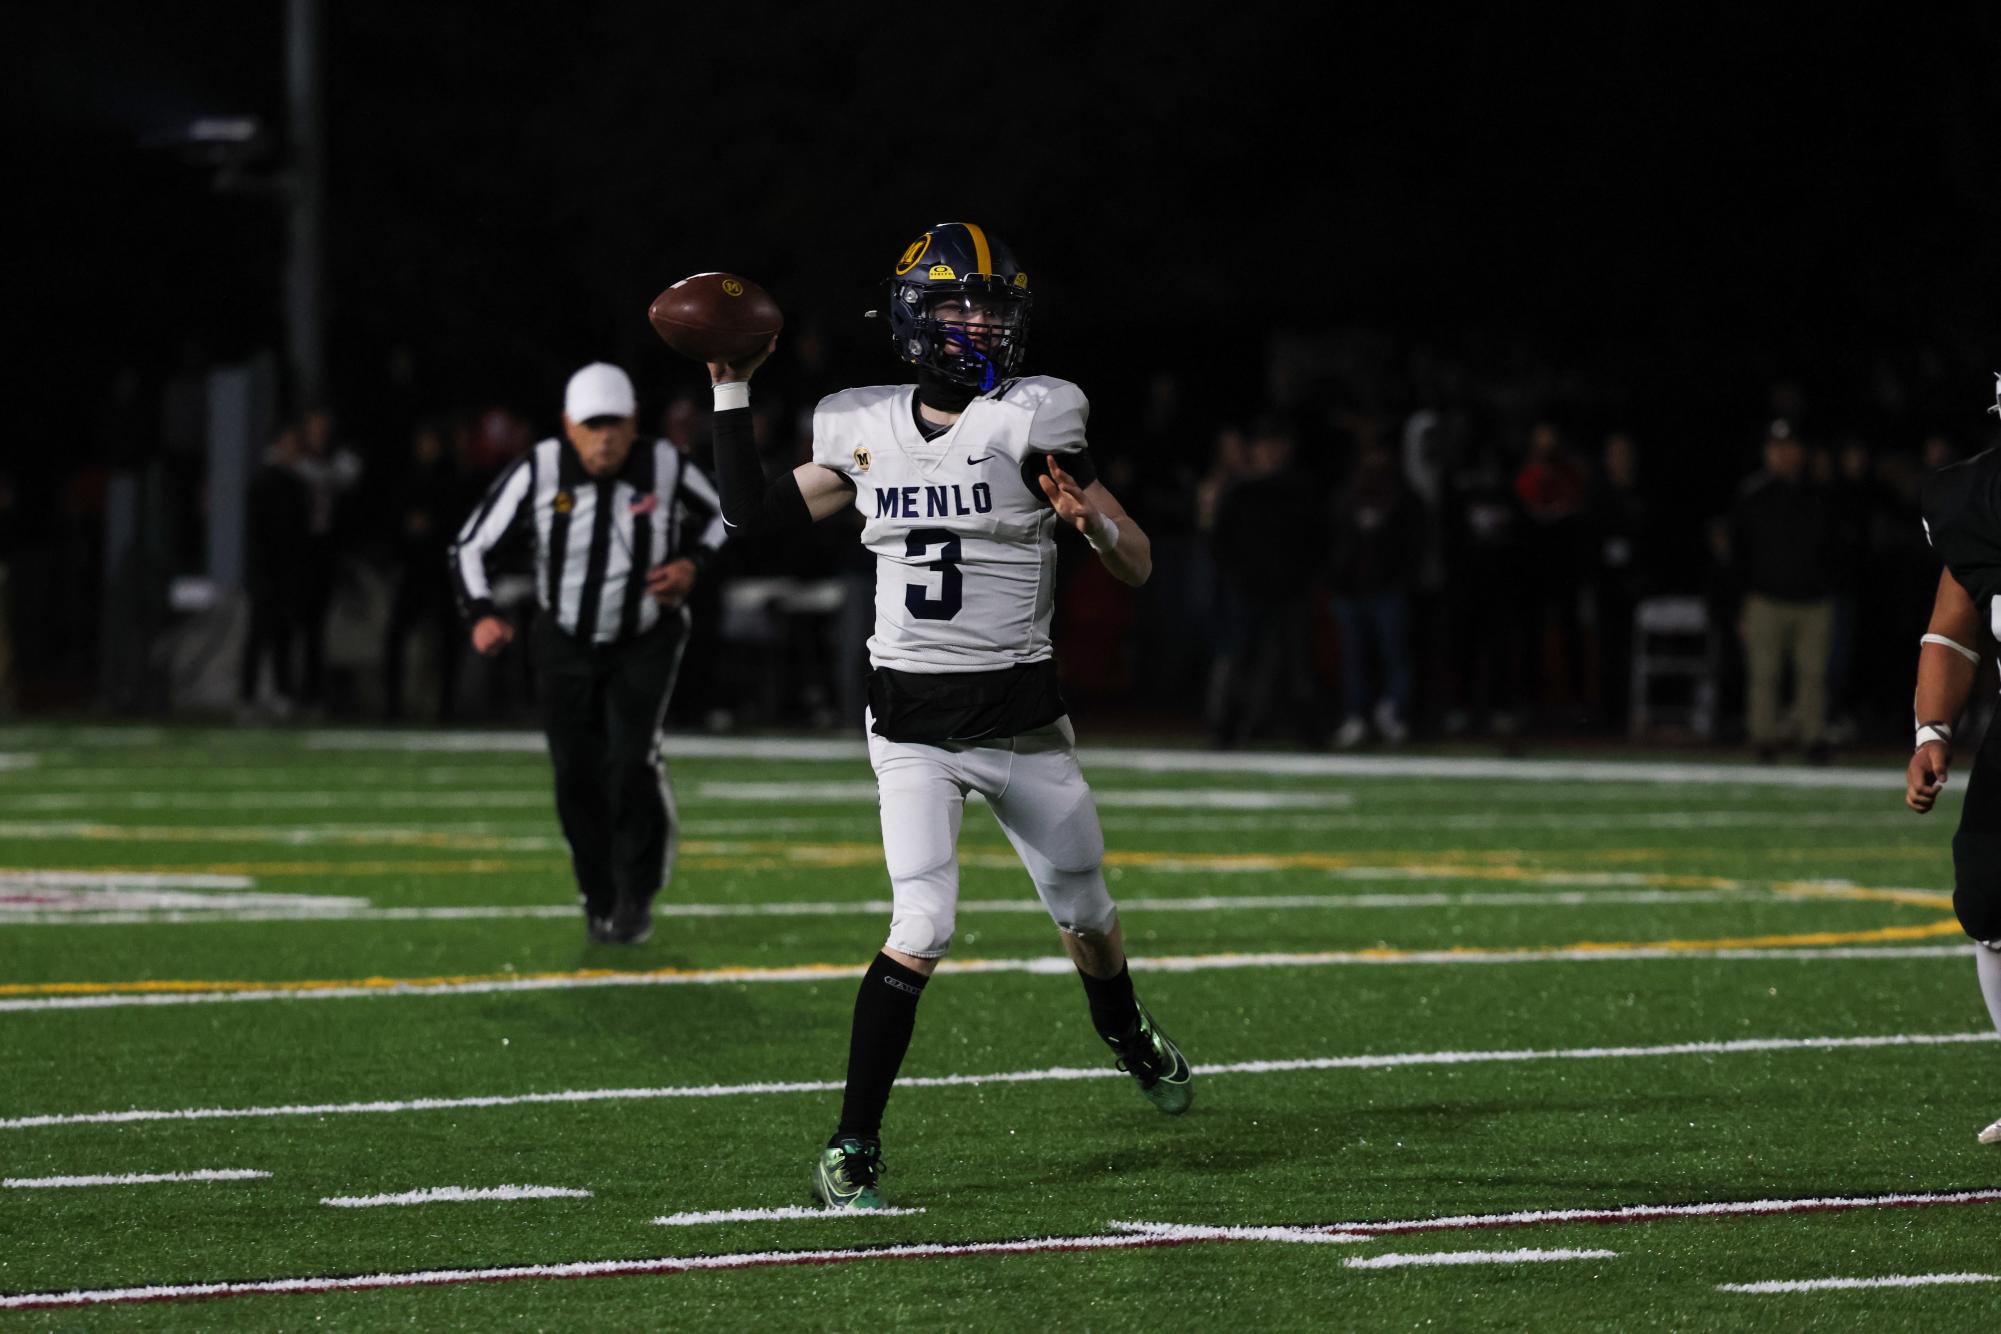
(715, 317)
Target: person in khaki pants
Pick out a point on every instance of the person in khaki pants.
(1777, 631)
(1784, 535)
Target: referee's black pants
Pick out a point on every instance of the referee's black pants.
(602, 707)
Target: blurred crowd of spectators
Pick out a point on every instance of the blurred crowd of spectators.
(1441, 562)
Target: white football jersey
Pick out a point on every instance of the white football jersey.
(965, 570)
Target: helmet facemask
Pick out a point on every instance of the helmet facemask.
(972, 331)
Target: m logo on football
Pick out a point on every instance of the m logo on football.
(731, 287)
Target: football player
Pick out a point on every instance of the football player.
(961, 480)
(1962, 517)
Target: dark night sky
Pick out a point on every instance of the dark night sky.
(1682, 202)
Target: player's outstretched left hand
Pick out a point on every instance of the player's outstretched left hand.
(1067, 498)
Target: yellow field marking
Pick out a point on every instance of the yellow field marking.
(1879, 935)
(1808, 889)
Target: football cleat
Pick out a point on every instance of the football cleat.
(600, 930)
(1162, 1071)
(845, 1175)
(1991, 1135)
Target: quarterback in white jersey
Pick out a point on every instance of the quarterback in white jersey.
(961, 481)
(965, 550)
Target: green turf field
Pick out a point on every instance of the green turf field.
(1418, 1003)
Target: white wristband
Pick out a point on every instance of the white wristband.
(1953, 644)
(1102, 534)
(1939, 732)
(732, 394)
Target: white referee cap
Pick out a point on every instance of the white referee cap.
(599, 390)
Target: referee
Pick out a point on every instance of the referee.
(622, 528)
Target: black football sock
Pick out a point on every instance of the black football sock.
(885, 1017)
(1114, 1012)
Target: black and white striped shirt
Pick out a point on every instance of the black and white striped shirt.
(595, 538)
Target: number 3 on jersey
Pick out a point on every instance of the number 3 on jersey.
(951, 584)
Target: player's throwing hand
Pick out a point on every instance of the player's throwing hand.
(723, 372)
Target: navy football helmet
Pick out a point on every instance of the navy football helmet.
(958, 306)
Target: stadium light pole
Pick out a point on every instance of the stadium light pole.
(305, 279)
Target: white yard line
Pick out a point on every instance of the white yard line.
(789, 1213)
(1204, 1232)
(1632, 1213)
(1179, 761)
(811, 973)
(132, 1179)
(306, 911)
(771, 794)
(1059, 1074)
(1286, 809)
(1395, 1260)
(479, 798)
(39, 879)
(1178, 1236)
(171, 909)
(455, 1195)
(13, 759)
(310, 772)
(336, 835)
(93, 908)
(578, 1270)
(1851, 1284)
(1166, 798)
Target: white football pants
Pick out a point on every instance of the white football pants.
(1037, 792)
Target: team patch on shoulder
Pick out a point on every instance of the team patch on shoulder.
(863, 458)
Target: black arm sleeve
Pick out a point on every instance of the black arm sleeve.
(1083, 470)
(752, 505)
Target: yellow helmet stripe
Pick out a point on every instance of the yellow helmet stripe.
(983, 254)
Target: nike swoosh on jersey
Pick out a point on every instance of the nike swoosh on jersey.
(981, 459)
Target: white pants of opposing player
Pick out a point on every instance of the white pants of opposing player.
(1037, 792)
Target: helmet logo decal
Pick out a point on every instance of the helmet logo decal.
(942, 273)
(731, 287)
(1021, 280)
(862, 458)
(916, 251)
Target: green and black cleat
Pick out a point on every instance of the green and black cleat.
(845, 1175)
(1151, 1057)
